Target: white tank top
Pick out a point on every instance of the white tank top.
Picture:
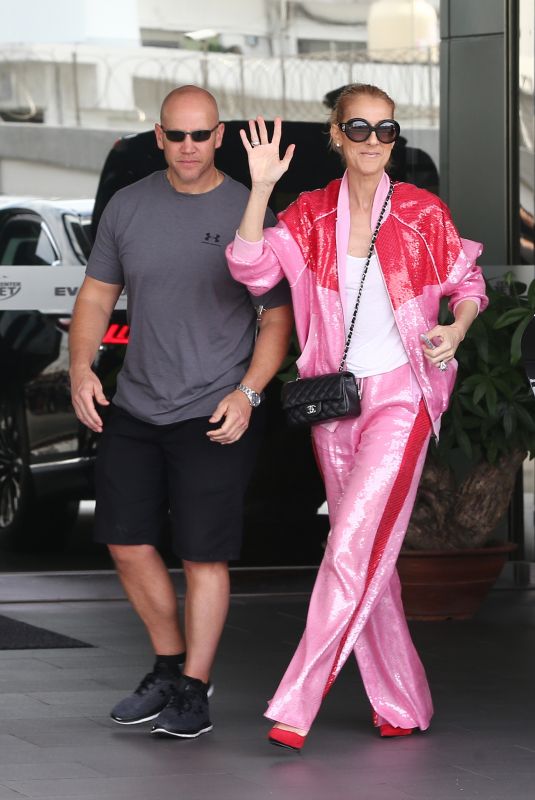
(376, 345)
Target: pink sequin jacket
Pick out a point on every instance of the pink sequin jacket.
(421, 255)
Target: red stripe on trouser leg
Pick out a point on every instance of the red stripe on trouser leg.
(394, 504)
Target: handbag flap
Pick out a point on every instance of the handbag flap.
(320, 388)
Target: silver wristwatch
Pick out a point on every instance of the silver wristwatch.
(253, 397)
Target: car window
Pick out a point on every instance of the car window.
(24, 242)
(79, 232)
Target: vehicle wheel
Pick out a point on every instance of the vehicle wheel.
(26, 524)
(15, 479)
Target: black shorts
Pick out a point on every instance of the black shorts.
(143, 471)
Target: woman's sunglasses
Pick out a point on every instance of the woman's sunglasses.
(358, 130)
(196, 136)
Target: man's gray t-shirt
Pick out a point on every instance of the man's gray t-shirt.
(192, 325)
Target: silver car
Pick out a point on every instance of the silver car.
(47, 232)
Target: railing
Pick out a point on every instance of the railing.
(90, 86)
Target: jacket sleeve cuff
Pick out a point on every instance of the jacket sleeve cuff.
(242, 250)
(476, 300)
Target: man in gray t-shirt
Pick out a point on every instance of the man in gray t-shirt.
(191, 324)
(183, 428)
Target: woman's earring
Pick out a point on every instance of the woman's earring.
(338, 144)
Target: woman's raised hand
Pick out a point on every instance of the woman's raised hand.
(265, 164)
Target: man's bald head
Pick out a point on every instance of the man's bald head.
(188, 112)
(190, 94)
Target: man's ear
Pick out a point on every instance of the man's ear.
(158, 132)
(219, 134)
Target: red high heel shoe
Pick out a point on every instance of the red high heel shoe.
(389, 731)
(288, 739)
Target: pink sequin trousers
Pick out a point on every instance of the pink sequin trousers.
(371, 467)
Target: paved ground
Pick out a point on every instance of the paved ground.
(57, 741)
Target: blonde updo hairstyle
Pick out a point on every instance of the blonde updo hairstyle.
(349, 93)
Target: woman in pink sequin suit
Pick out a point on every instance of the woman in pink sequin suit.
(371, 464)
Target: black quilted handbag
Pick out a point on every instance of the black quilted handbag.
(318, 399)
(335, 395)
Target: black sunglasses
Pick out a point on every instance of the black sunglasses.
(196, 136)
(358, 130)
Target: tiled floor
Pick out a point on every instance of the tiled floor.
(57, 741)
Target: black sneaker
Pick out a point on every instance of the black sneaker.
(150, 697)
(186, 715)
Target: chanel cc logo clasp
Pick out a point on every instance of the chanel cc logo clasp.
(312, 409)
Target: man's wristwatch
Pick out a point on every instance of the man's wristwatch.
(253, 397)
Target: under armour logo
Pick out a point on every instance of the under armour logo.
(212, 238)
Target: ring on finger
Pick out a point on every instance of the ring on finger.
(442, 366)
(254, 143)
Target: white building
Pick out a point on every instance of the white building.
(107, 65)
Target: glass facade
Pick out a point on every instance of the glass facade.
(525, 245)
(526, 132)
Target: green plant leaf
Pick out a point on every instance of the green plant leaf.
(504, 388)
(492, 408)
(516, 353)
(524, 417)
(509, 421)
(512, 316)
(469, 405)
(491, 398)
(473, 382)
(464, 443)
(479, 392)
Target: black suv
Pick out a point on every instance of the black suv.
(46, 458)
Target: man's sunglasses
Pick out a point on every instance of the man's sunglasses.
(358, 130)
(196, 136)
